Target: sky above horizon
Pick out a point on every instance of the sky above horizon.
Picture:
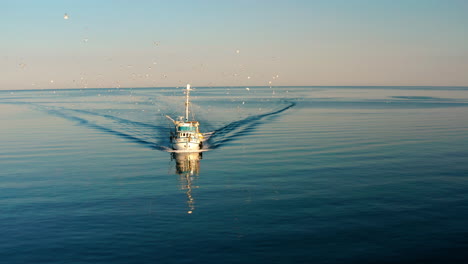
(91, 44)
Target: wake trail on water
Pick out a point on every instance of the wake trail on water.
(123, 131)
(154, 134)
(236, 129)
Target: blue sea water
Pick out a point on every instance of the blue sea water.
(289, 175)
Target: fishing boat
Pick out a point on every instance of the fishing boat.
(186, 135)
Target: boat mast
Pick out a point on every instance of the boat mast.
(187, 102)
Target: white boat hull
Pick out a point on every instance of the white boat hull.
(186, 146)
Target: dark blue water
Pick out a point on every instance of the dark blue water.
(289, 175)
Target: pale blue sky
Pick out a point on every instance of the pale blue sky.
(112, 43)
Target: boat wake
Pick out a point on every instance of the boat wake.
(138, 132)
(151, 129)
(221, 136)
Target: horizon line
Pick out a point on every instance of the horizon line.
(234, 86)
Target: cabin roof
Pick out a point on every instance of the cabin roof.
(189, 122)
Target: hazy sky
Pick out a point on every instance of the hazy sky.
(133, 43)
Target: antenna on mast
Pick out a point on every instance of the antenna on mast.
(187, 102)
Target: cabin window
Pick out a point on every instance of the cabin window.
(187, 128)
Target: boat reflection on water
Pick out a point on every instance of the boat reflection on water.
(187, 167)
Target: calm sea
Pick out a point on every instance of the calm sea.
(289, 175)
